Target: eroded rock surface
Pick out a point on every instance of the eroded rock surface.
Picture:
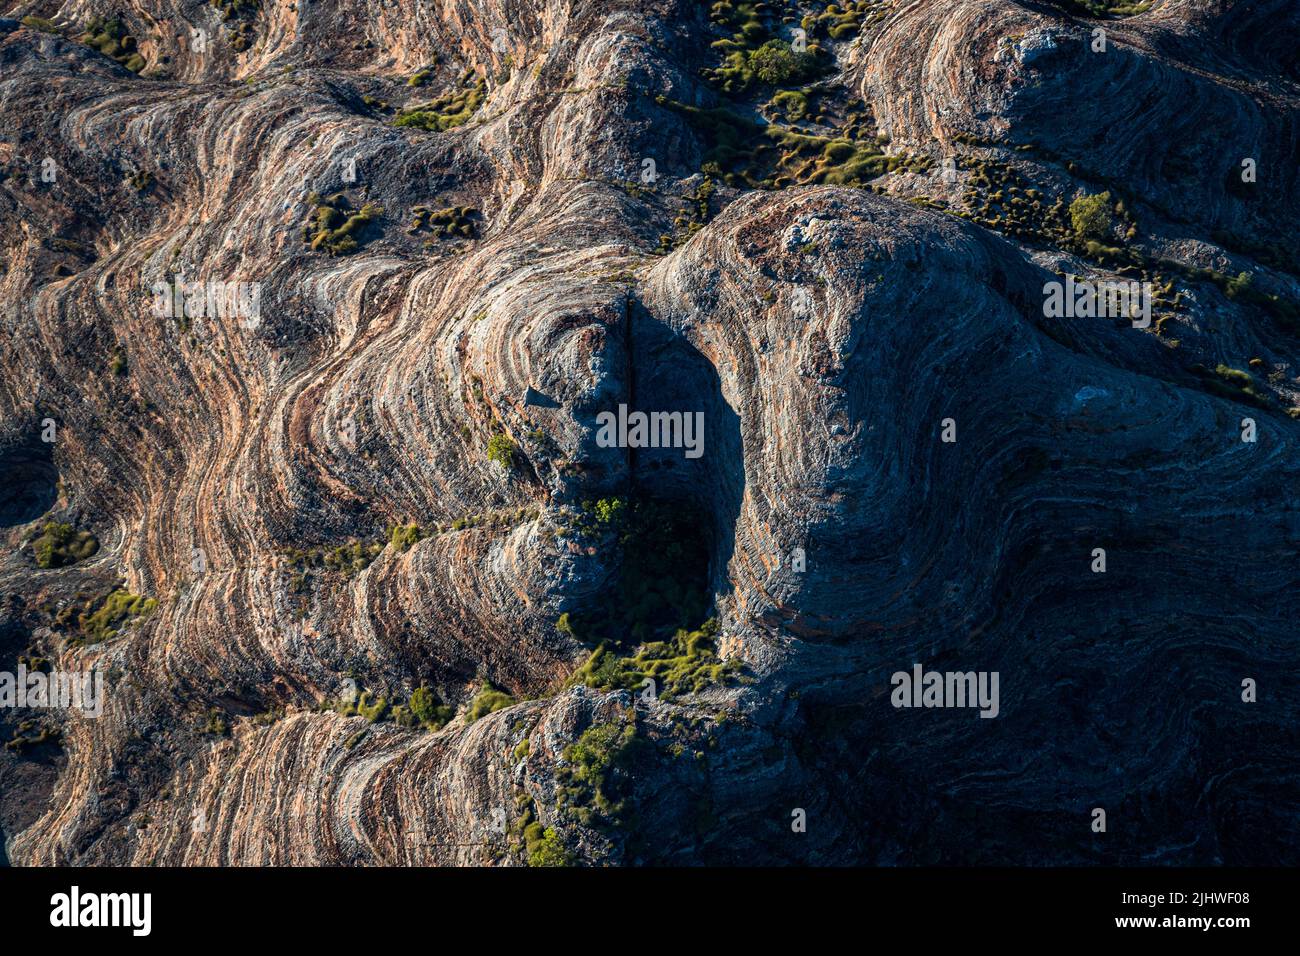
(474, 226)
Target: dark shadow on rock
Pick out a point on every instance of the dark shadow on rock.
(28, 481)
(671, 375)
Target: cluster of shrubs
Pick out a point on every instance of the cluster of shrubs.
(745, 154)
(1106, 8)
(691, 219)
(595, 780)
(60, 545)
(845, 20)
(449, 110)
(335, 226)
(110, 38)
(349, 559)
(445, 223)
(540, 845)
(685, 663)
(32, 733)
(752, 55)
(423, 711)
(100, 619)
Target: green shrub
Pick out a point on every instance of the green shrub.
(564, 625)
(118, 608)
(215, 724)
(544, 847)
(775, 63)
(335, 226)
(791, 104)
(430, 712)
(685, 663)
(1091, 217)
(60, 545)
(503, 450)
(236, 15)
(110, 38)
(488, 700)
(40, 23)
(350, 559)
(596, 778)
(404, 536)
(449, 223)
(449, 110)
(371, 708)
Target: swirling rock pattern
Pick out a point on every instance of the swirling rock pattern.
(834, 338)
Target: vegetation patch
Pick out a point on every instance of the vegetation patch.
(540, 846)
(1106, 8)
(215, 724)
(238, 15)
(683, 664)
(663, 581)
(449, 223)
(424, 710)
(1091, 217)
(348, 559)
(691, 219)
(42, 24)
(335, 226)
(487, 701)
(448, 111)
(503, 450)
(596, 779)
(846, 19)
(752, 54)
(110, 38)
(747, 154)
(403, 536)
(101, 619)
(60, 545)
(649, 626)
(32, 733)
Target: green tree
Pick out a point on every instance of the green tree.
(1091, 217)
(503, 450)
(776, 63)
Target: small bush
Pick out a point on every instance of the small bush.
(1091, 217)
(503, 450)
(430, 712)
(488, 700)
(404, 536)
(40, 23)
(777, 64)
(215, 725)
(564, 625)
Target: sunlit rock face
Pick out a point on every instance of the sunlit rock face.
(311, 316)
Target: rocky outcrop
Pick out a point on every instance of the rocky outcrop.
(386, 475)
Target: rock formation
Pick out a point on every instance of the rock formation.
(310, 313)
